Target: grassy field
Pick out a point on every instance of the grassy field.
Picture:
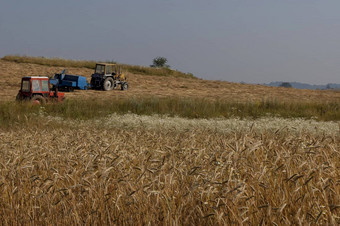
(12, 112)
(169, 151)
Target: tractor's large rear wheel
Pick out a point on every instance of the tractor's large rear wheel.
(92, 84)
(37, 99)
(108, 84)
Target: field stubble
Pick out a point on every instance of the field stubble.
(141, 85)
(159, 170)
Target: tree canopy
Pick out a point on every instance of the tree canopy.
(160, 62)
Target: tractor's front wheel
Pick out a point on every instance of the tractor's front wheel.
(37, 99)
(108, 84)
(124, 86)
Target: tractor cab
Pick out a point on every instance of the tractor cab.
(107, 77)
(104, 69)
(38, 89)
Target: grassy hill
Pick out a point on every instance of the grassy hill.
(174, 93)
(58, 62)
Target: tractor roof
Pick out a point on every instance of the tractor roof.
(105, 64)
(36, 77)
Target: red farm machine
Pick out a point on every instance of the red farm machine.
(38, 90)
(43, 89)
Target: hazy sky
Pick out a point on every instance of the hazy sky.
(254, 41)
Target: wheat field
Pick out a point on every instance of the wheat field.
(129, 169)
(118, 168)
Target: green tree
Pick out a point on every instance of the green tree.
(160, 62)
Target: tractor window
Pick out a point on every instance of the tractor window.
(108, 70)
(44, 85)
(100, 69)
(36, 85)
(26, 86)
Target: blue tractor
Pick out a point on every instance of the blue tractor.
(69, 83)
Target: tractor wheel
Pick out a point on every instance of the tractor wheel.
(108, 84)
(37, 99)
(92, 84)
(124, 86)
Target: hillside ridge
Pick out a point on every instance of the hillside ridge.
(60, 62)
(144, 85)
(300, 85)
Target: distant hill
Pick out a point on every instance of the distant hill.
(298, 85)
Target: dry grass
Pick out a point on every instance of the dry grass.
(59, 62)
(128, 169)
(159, 170)
(162, 86)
